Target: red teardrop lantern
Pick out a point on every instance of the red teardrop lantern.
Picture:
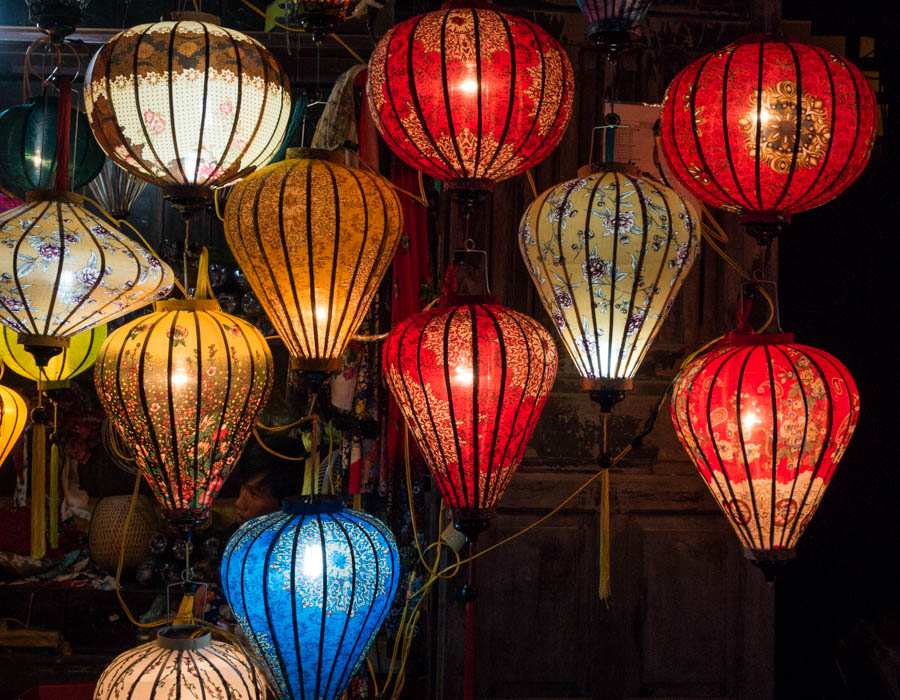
(768, 128)
(471, 379)
(470, 95)
(766, 421)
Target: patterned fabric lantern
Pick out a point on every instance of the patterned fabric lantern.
(13, 415)
(766, 421)
(470, 95)
(611, 22)
(179, 665)
(314, 238)
(607, 253)
(65, 272)
(310, 586)
(471, 379)
(73, 360)
(187, 105)
(28, 140)
(768, 128)
(184, 387)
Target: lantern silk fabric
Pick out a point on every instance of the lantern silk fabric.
(184, 386)
(471, 380)
(71, 361)
(63, 270)
(608, 253)
(194, 668)
(13, 416)
(766, 421)
(768, 127)
(310, 586)
(469, 94)
(314, 238)
(28, 156)
(187, 103)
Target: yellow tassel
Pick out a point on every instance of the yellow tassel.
(357, 501)
(38, 491)
(604, 588)
(54, 496)
(185, 614)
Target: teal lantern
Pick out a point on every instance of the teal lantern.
(28, 154)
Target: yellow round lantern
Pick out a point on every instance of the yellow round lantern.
(64, 271)
(13, 415)
(81, 354)
(187, 105)
(608, 252)
(315, 238)
(184, 386)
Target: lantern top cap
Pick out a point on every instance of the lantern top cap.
(296, 506)
(738, 338)
(610, 167)
(191, 16)
(183, 637)
(33, 196)
(469, 4)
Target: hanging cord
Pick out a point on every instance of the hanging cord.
(184, 259)
(603, 589)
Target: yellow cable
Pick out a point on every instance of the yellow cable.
(196, 6)
(349, 50)
(375, 692)
(216, 205)
(531, 182)
(273, 452)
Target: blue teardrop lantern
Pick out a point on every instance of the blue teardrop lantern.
(311, 585)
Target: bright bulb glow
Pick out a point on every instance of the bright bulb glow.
(37, 160)
(463, 375)
(179, 378)
(312, 561)
(749, 420)
(469, 85)
(321, 314)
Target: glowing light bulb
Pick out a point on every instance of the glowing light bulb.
(321, 314)
(313, 563)
(469, 85)
(179, 378)
(37, 160)
(463, 375)
(749, 420)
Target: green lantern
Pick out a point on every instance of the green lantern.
(28, 147)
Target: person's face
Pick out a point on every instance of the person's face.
(255, 499)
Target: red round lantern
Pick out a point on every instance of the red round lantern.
(768, 128)
(471, 379)
(470, 95)
(766, 421)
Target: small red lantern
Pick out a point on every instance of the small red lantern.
(471, 379)
(766, 421)
(768, 128)
(470, 95)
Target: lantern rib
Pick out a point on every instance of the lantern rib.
(776, 420)
(451, 128)
(173, 33)
(512, 92)
(206, 59)
(173, 437)
(478, 95)
(289, 268)
(162, 658)
(197, 409)
(137, 102)
(591, 356)
(784, 529)
(310, 258)
(294, 544)
(821, 457)
(267, 567)
(62, 244)
(122, 666)
(233, 169)
(15, 270)
(355, 651)
(324, 604)
(82, 363)
(327, 345)
(620, 370)
(214, 652)
(360, 310)
(214, 448)
(759, 102)
(476, 375)
(726, 72)
(448, 322)
(568, 280)
(747, 533)
(487, 496)
(797, 134)
(413, 93)
(612, 277)
(337, 654)
(746, 462)
(827, 157)
(719, 192)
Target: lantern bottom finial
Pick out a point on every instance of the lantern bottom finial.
(607, 392)
(43, 348)
(765, 226)
(187, 199)
(472, 521)
(770, 561)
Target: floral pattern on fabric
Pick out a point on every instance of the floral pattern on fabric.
(766, 421)
(607, 254)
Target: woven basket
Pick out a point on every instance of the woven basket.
(105, 535)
